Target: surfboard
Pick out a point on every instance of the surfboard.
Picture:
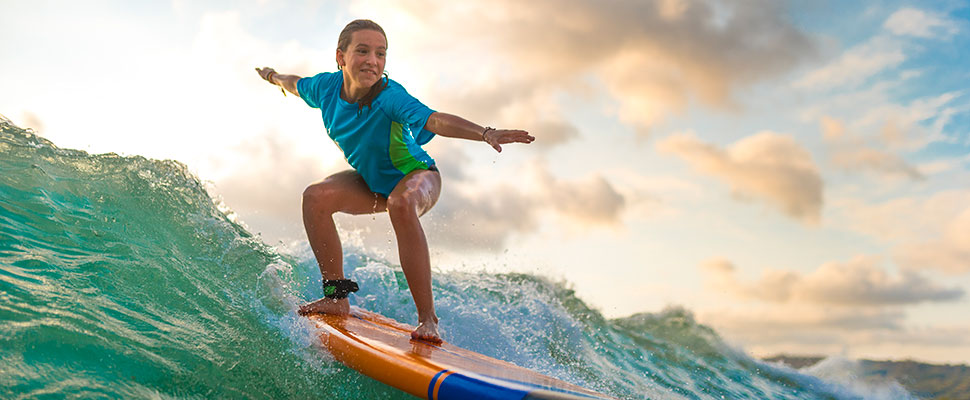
(382, 348)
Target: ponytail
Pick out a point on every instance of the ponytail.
(372, 94)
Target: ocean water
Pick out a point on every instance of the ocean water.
(121, 277)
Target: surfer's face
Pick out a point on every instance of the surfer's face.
(363, 60)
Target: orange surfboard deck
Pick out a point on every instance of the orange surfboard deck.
(382, 348)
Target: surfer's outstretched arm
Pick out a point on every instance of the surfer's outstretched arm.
(450, 125)
(287, 82)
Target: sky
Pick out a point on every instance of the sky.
(796, 174)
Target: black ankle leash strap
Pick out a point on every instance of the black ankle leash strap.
(339, 288)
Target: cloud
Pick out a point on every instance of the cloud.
(652, 57)
(591, 200)
(901, 127)
(855, 65)
(850, 153)
(857, 282)
(875, 138)
(919, 23)
(876, 161)
(767, 166)
(874, 108)
(876, 111)
(879, 53)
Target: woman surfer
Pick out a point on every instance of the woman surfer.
(380, 128)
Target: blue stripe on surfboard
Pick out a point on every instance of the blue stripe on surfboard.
(460, 386)
(433, 380)
(463, 385)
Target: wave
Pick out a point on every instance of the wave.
(122, 277)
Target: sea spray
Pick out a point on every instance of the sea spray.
(120, 278)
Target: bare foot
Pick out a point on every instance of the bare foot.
(326, 306)
(427, 331)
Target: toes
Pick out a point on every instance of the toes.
(426, 338)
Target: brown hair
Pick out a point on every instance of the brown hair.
(343, 42)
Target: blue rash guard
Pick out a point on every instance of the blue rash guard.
(382, 142)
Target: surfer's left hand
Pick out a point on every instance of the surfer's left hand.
(497, 137)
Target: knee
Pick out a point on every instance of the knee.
(403, 203)
(319, 197)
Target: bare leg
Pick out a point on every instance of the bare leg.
(345, 192)
(410, 199)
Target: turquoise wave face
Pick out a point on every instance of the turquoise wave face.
(120, 277)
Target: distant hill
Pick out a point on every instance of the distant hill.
(926, 381)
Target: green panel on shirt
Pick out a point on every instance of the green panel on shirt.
(398, 150)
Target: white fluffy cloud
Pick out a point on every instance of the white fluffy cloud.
(767, 167)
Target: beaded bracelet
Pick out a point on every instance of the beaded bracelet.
(269, 78)
(487, 128)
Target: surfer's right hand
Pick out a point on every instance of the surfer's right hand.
(266, 73)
